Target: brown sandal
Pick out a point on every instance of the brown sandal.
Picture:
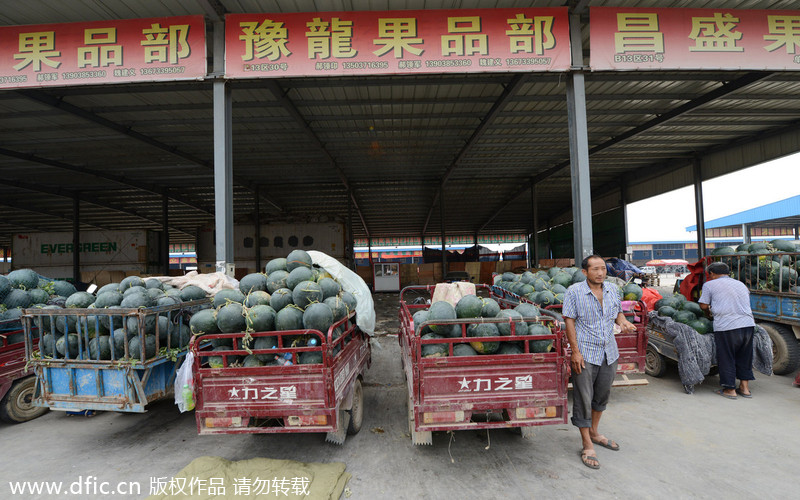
(590, 461)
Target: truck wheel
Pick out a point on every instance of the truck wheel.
(357, 409)
(785, 348)
(654, 363)
(17, 405)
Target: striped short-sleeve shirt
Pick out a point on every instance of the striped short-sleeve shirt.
(730, 303)
(594, 324)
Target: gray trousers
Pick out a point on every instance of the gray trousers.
(590, 391)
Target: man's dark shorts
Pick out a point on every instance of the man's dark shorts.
(590, 391)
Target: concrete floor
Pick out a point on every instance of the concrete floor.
(674, 445)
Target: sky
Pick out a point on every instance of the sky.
(666, 217)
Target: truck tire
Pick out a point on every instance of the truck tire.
(654, 363)
(17, 405)
(785, 348)
(356, 411)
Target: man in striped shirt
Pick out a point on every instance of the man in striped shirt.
(590, 310)
(729, 302)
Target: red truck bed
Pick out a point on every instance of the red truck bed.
(484, 391)
(319, 397)
(15, 405)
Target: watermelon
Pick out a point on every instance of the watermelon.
(66, 342)
(227, 296)
(5, 287)
(553, 271)
(538, 329)
(744, 247)
(173, 292)
(265, 343)
(527, 310)
(484, 330)
(260, 318)
(38, 296)
(685, 317)
(23, 279)
(131, 281)
(540, 284)
(667, 301)
(546, 298)
(723, 251)
(350, 300)
(520, 327)
(134, 289)
(419, 318)
(66, 324)
(17, 298)
(100, 348)
(666, 311)
(509, 276)
(134, 347)
(278, 264)
(166, 300)
(757, 246)
(305, 293)
(289, 318)
(527, 277)
(257, 297)
(558, 298)
(540, 346)
(252, 361)
(330, 288)
(276, 280)
(440, 311)
(509, 348)
(782, 246)
(192, 292)
(136, 300)
(433, 350)
(338, 307)
(469, 307)
(298, 258)
(107, 319)
(489, 308)
(699, 326)
(109, 298)
(709, 325)
(578, 276)
(230, 318)
(180, 335)
(632, 291)
(310, 358)
(253, 282)
(155, 294)
(563, 279)
(694, 308)
(298, 275)
(149, 323)
(120, 338)
(111, 287)
(280, 298)
(204, 322)
(318, 317)
(464, 350)
(785, 276)
(47, 345)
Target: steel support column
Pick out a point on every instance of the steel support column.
(797, 232)
(698, 208)
(444, 237)
(165, 234)
(534, 248)
(76, 238)
(550, 244)
(257, 221)
(746, 234)
(351, 246)
(579, 149)
(223, 158)
(623, 201)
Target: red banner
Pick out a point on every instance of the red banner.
(710, 39)
(116, 51)
(396, 42)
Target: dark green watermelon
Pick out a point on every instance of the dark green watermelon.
(231, 318)
(305, 293)
(266, 342)
(464, 350)
(5, 287)
(298, 258)
(694, 308)
(299, 275)
(192, 292)
(318, 316)
(433, 350)
(278, 264)
(632, 291)
(136, 301)
(489, 308)
(310, 358)
(17, 298)
(484, 330)
(509, 348)
(330, 288)
(23, 279)
(260, 318)
(226, 296)
(520, 327)
(469, 306)
(204, 322)
(66, 342)
(338, 307)
(280, 298)
(100, 348)
(666, 311)
(350, 300)
(540, 346)
(252, 361)
(685, 317)
(440, 311)
(699, 326)
(253, 282)
(257, 297)
(289, 318)
(108, 299)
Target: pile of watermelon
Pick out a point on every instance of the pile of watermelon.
(764, 266)
(546, 288)
(684, 311)
(472, 307)
(25, 288)
(104, 329)
(293, 294)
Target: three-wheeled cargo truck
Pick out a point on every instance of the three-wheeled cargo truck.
(311, 381)
(486, 391)
(17, 381)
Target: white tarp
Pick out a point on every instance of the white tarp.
(351, 282)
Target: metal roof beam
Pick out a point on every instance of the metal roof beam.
(39, 210)
(509, 91)
(144, 186)
(67, 193)
(59, 103)
(289, 106)
(725, 89)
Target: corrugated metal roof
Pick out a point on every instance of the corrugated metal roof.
(785, 212)
(393, 138)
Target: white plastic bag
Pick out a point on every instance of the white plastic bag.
(184, 384)
(351, 282)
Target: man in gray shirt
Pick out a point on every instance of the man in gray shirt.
(729, 302)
